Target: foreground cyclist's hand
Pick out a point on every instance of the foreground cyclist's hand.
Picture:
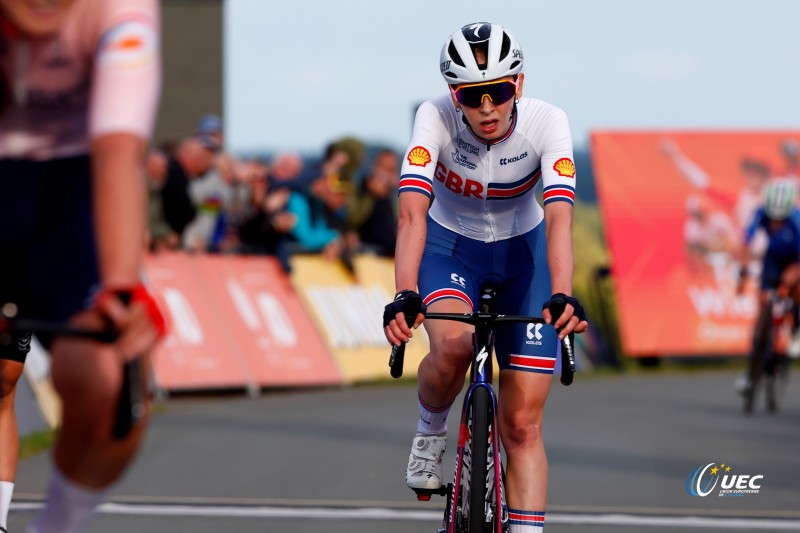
(135, 315)
(571, 320)
(395, 326)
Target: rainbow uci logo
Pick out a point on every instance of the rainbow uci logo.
(695, 481)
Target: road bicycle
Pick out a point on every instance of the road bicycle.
(768, 368)
(476, 501)
(131, 406)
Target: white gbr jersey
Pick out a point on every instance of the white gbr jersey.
(486, 191)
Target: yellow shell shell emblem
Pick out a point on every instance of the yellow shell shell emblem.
(419, 156)
(565, 167)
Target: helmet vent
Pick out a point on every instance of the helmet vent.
(505, 47)
(514, 65)
(454, 55)
(481, 50)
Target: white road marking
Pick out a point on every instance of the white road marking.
(379, 513)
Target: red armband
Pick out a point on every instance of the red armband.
(137, 294)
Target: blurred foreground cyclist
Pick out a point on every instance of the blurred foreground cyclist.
(79, 86)
(479, 151)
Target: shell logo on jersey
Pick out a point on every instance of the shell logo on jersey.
(565, 167)
(419, 156)
(129, 44)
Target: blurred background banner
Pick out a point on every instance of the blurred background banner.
(675, 206)
(235, 321)
(348, 309)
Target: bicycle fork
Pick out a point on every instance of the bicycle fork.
(494, 509)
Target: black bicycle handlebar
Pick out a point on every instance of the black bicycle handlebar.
(397, 357)
(557, 307)
(130, 407)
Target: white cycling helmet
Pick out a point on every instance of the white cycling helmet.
(779, 196)
(503, 54)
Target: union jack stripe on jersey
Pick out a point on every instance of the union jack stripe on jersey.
(416, 183)
(530, 363)
(559, 193)
(512, 190)
(448, 293)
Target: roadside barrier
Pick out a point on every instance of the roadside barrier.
(235, 321)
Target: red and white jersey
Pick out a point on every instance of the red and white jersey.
(486, 191)
(99, 74)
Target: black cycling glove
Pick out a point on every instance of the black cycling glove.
(409, 302)
(557, 303)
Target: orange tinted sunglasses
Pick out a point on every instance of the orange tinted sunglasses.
(498, 92)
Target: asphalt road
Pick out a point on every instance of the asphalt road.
(620, 450)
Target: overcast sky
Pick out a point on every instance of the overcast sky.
(301, 73)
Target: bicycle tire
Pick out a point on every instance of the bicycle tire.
(761, 344)
(479, 454)
(778, 382)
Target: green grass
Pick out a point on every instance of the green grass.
(36, 443)
(40, 441)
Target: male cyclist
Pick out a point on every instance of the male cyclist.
(780, 220)
(79, 85)
(468, 216)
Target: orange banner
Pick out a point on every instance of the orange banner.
(235, 321)
(674, 207)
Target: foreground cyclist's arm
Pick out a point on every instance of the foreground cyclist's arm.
(125, 91)
(119, 211)
(119, 207)
(126, 83)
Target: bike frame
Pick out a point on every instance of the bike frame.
(481, 376)
(763, 355)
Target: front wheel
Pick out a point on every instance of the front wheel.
(479, 454)
(762, 345)
(776, 382)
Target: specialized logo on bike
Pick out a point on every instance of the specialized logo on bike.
(534, 334)
(482, 356)
(705, 478)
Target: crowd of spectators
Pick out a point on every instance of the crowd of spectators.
(205, 200)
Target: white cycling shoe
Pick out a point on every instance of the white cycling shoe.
(425, 462)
